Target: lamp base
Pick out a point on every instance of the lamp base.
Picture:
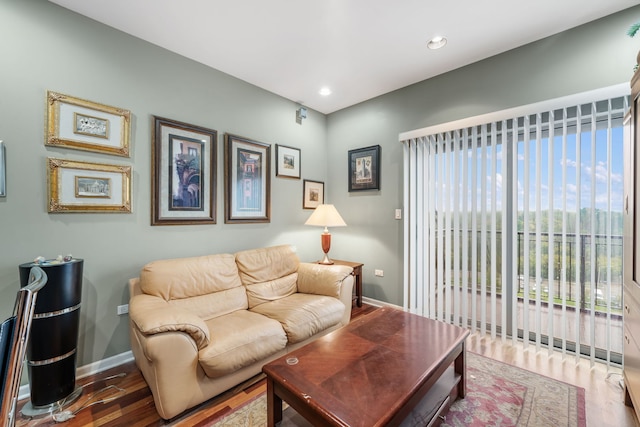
(30, 410)
(325, 260)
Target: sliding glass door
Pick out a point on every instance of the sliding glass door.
(514, 227)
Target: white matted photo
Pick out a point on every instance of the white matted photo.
(86, 125)
(312, 194)
(247, 180)
(287, 162)
(184, 173)
(75, 186)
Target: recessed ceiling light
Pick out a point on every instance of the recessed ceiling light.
(436, 42)
(325, 91)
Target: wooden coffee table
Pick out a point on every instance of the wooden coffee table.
(372, 372)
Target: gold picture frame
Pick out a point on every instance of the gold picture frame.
(86, 125)
(84, 187)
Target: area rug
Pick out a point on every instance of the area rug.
(497, 395)
(504, 395)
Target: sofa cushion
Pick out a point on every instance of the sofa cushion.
(208, 286)
(265, 264)
(189, 277)
(303, 315)
(214, 304)
(240, 339)
(272, 290)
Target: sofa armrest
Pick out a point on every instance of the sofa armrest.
(330, 280)
(321, 279)
(153, 315)
(169, 364)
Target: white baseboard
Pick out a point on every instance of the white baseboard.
(376, 303)
(90, 369)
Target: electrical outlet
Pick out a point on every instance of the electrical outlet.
(378, 273)
(122, 309)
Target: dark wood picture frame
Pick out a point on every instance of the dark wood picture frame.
(183, 173)
(288, 162)
(247, 175)
(3, 169)
(312, 194)
(364, 168)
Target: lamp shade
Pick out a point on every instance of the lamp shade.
(326, 216)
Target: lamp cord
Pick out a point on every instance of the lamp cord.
(66, 415)
(62, 416)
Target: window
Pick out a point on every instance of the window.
(514, 224)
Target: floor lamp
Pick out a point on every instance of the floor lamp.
(326, 216)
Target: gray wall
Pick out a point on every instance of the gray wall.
(45, 47)
(589, 57)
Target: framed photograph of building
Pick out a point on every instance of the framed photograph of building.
(287, 162)
(75, 186)
(183, 173)
(364, 168)
(312, 194)
(86, 125)
(247, 180)
(93, 187)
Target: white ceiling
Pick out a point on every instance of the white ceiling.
(358, 48)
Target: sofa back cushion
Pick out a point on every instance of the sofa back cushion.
(264, 264)
(208, 286)
(268, 273)
(272, 290)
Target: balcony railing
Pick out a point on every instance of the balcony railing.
(600, 281)
(572, 277)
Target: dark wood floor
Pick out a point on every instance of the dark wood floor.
(134, 406)
(603, 395)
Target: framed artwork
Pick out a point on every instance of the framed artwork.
(75, 186)
(85, 125)
(183, 173)
(247, 180)
(3, 171)
(312, 194)
(287, 162)
(364, 168)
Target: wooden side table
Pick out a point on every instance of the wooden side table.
(357, 273)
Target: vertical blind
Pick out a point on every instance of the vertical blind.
(514, 224)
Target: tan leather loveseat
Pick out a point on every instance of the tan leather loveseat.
(201, 325)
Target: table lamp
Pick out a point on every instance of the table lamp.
(326, 216)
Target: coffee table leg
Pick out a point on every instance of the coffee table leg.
(274, 405)
(460, 368)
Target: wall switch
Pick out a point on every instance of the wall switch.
(378, 273)
(398, 214)
(122, 309)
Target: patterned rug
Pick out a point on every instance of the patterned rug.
(497, 395)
